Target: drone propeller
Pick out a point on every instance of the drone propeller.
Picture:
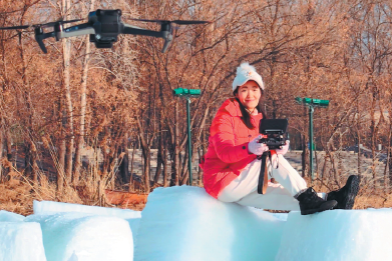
(167, 29)
(61, 22)
(40, 25)
(180, 22)
(15, 27)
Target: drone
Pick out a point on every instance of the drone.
(103, 26)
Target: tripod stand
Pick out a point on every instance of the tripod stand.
(263, 177)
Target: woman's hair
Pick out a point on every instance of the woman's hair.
(245, 114)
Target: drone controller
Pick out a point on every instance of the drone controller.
(274, 130)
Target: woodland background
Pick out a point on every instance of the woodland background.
(114, 101)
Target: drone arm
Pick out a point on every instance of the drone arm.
(77, 30)
(166, 45)
(39, 37)
(140, 31)
(127, 29)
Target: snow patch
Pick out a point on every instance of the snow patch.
(185, 223)
(21, 241)
(85, 237)
(51, 207)
(6, 216)
(338, 235)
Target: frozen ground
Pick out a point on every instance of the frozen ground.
(184, 223)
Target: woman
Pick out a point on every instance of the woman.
(231, 168)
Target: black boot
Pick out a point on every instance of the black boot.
(346, 195)
(310, 203)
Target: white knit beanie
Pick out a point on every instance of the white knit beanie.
(246, 72)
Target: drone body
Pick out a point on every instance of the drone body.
(103, 26)
(107, 25)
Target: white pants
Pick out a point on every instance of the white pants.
(243, 190)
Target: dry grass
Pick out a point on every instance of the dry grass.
(17, 194)
(370, 195)
(124, 199)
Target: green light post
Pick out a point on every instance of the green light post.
(311, 104)
(187, 94)
(311, 110)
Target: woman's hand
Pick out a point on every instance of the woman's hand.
(284, 148)
(257, 148)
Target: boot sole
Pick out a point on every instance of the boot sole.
(325, 206)
(352, 191)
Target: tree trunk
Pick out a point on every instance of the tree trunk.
(146, 156)
(303, 156)
(164, 156)
(1, 153)
(175, 180)
(33, 162)
(30, 152)
(124, 166)
(66, 47)
(373, 134)
(8, 145)
(130, 187)
(61, 146)
(201, 155)
(146, 172)
(359, 142)
(83, 102)
(80, 143)
(60, 170)
(159, 159)
(324, 168)
(389, 159)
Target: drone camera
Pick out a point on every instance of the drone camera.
(103, 45)
(107, 25)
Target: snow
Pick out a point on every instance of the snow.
(50, 207)
(281, 216)
(21, 241)
(85, 237)
(338, 235)
(6, 216)
(185, 223)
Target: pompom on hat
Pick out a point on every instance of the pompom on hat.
(246, 72)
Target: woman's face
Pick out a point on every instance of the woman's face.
(249, 95)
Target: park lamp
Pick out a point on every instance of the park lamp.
(187, 94)
(311, 103)
(179, 92)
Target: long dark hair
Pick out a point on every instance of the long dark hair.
(245, 114)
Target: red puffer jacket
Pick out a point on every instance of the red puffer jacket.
(227, 153)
